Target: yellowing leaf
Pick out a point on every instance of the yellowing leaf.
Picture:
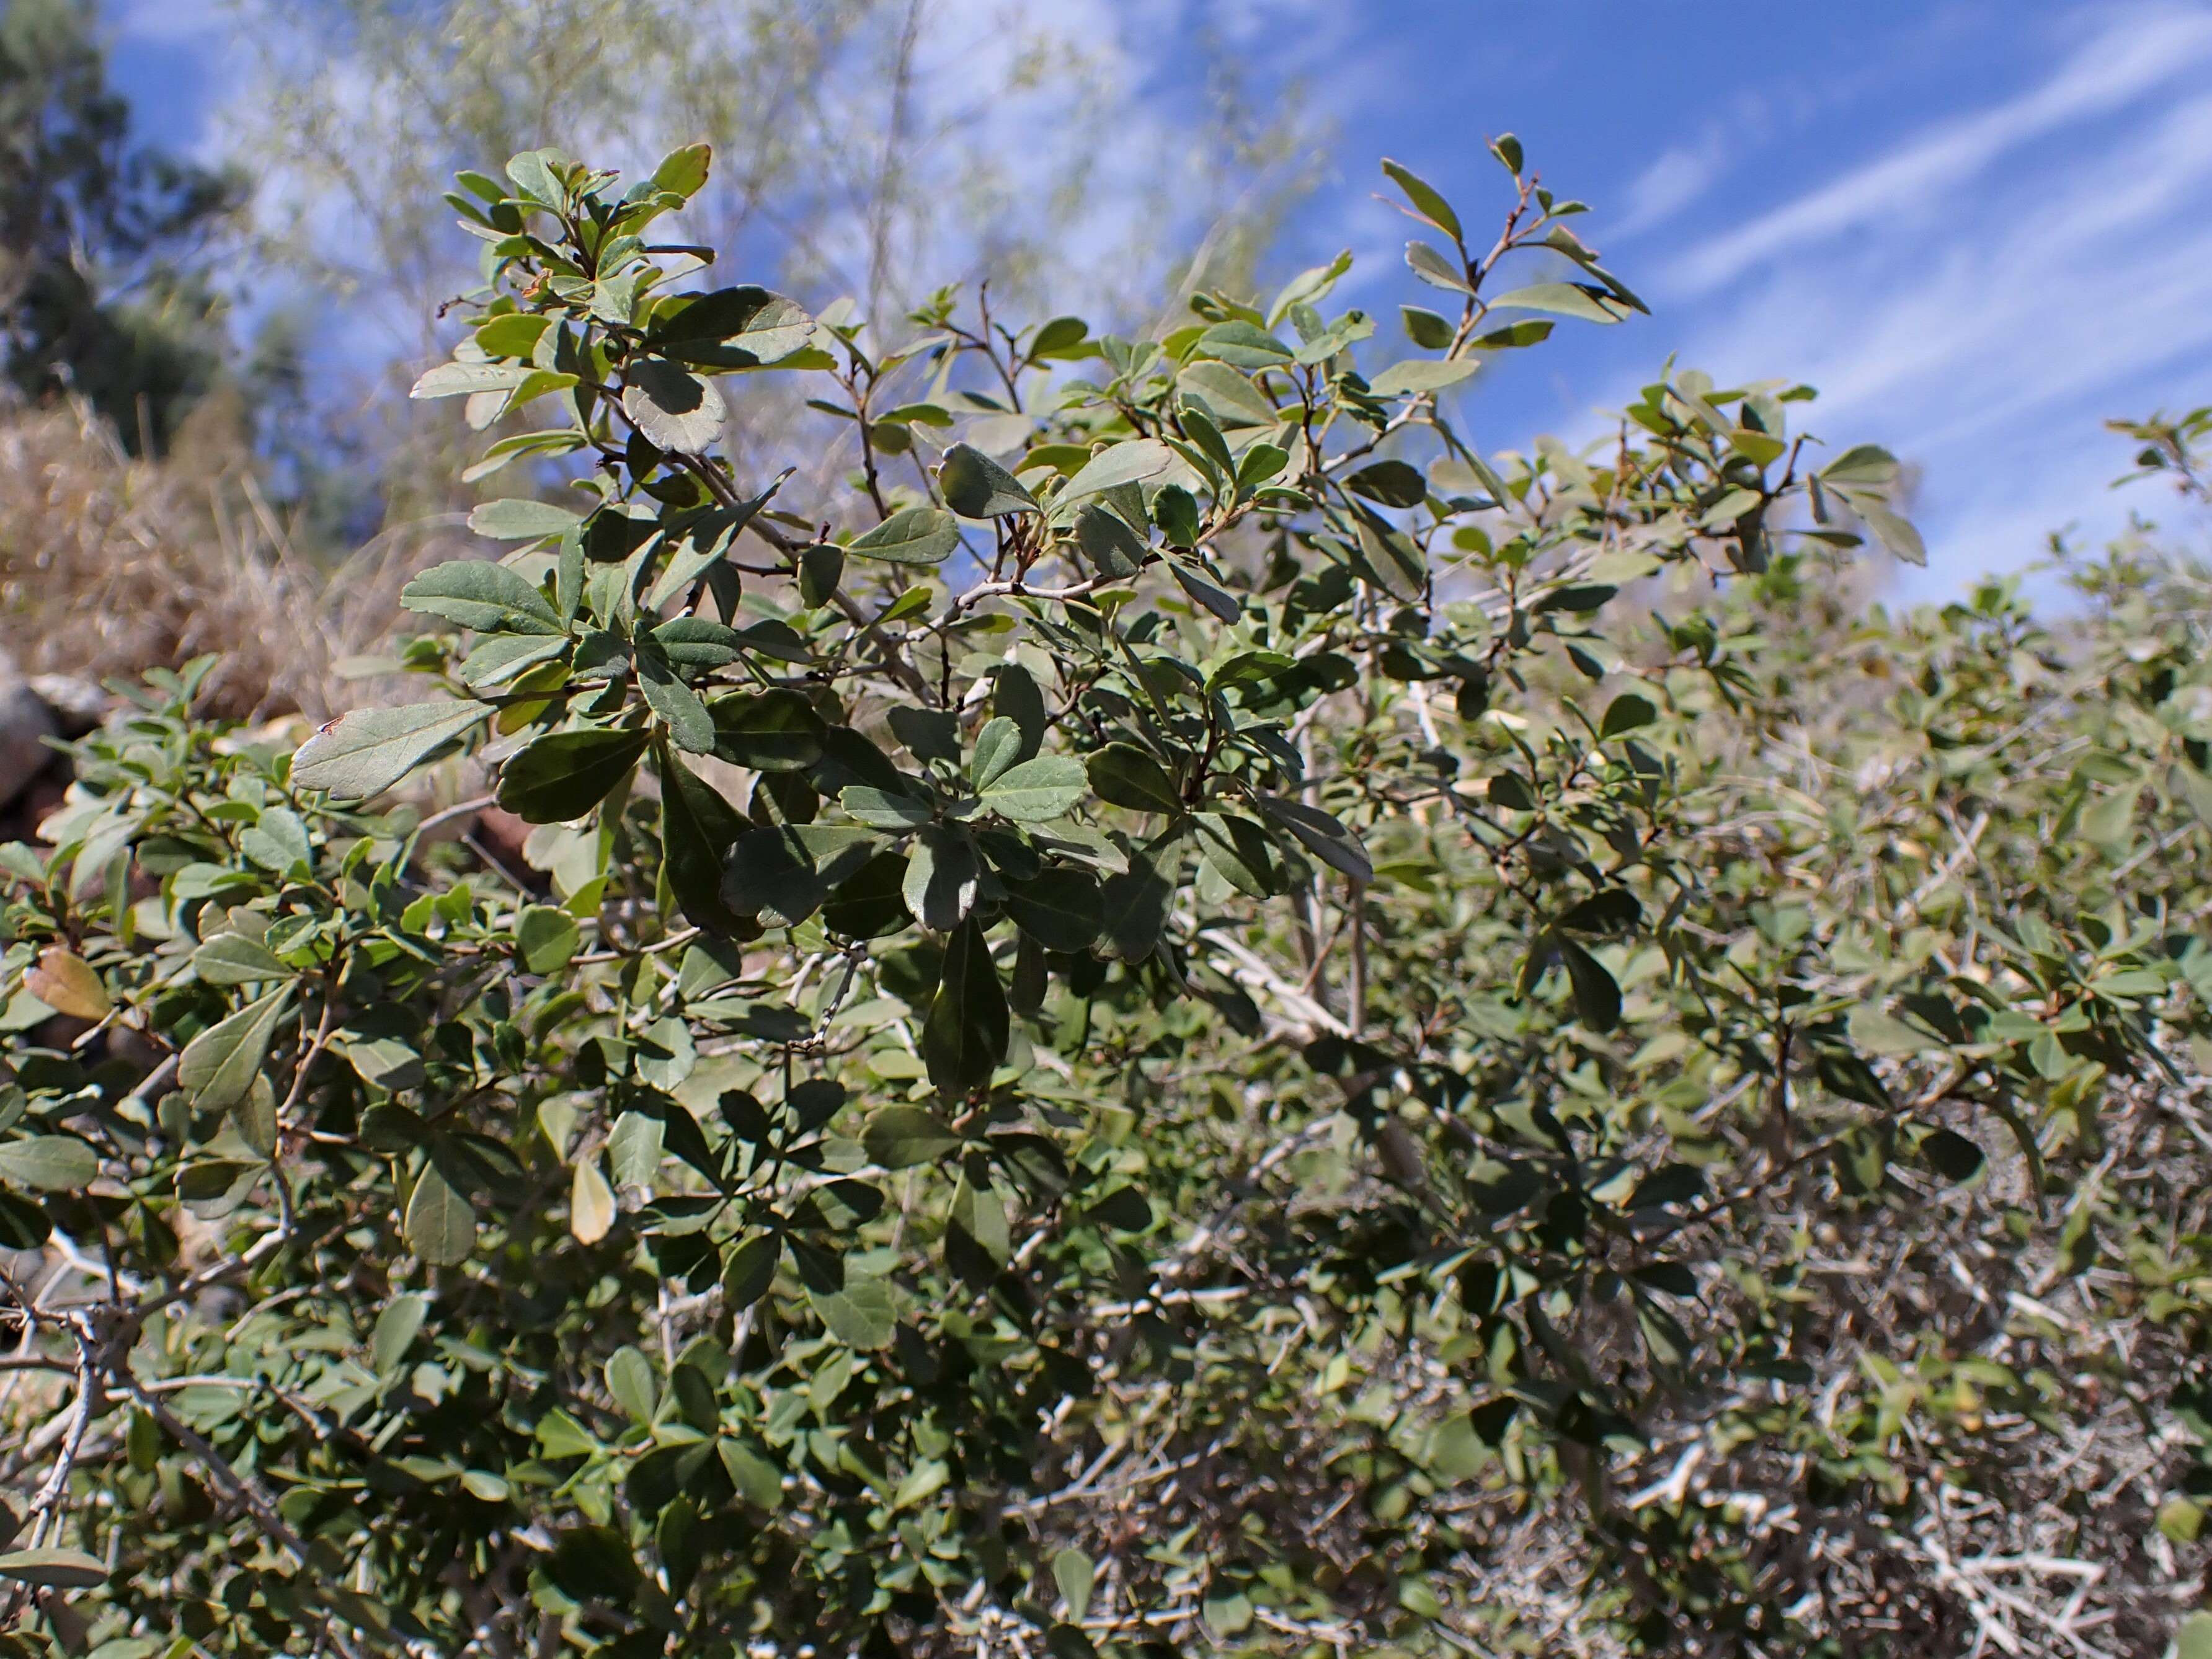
(67, 984)
(591, 1203)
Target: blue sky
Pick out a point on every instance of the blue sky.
(1979, 226)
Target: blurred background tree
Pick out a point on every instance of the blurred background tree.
(283, 294)
(859, 144)
(103, 244)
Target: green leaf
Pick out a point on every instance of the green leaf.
(1417, 376)
(774, 730)
(467, 379)
(2181, 1521)
(49, 1163)
(1228, 1610)
(1613, 909)
(499, 659)
(53, 1569)
(820, 568)
(941, 874)
(1437, 270)
(1109, 546)
(892, 809)
(590, 1202)
(2191, 788)
(1261, 463)
(1425, 329)
(913, 536)
(1627, 713)
(1038, 791)
(629, 1379)
(1597, 998)
(1247, 345)
(783, 874)
(699, 642)
(861, 1315)
(278, 842)
(683, 172)
(927, 734)
(24, 1224)
(757, 1480)
(2195, 1639)
(1062, 336)
(1579, 300)
(1310, 286)
(1134, 907)
(1240, 852)
(1394, 483)
(440, 1225)
(1121, 1207)
(976, 1236)
(563, 775)
(1211, 443)
(1455, 1452)
(1072, 1573)
(698, 831)
(730, 327)
(1426, 202)
(674, 408)
(534, 174)
(749, 1268)
(1758, 448)
(1126, 776)
(676, 703)
(1230, 396)
(1059, 908)
(965, 1035)
(1323, 834)
(1529, 331)
(898, 1137)
(703, 547)
(395, 1331)
(1393, 557)
(1670, 1183)
(1131, 461)
(1893, 530)
(1951, 1155)
(231, 958)
(546, 938)
(1175, 510)
(511, 520)
(480, 595)
(365, 752)
(977, 487)
(218, 1065)
(1868, 465)
(998, 747)
(1877, 1032)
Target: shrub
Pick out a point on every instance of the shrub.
(111, 563)
(1199, 1026)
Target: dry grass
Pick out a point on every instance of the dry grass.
(111, 566)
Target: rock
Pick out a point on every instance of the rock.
(77, 704)
(26, 725)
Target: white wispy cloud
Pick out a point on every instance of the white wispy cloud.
(1979, 296)
(2136, 50)
(1679, 176)
(148, 21)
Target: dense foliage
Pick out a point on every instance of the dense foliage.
(1228, 1021)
